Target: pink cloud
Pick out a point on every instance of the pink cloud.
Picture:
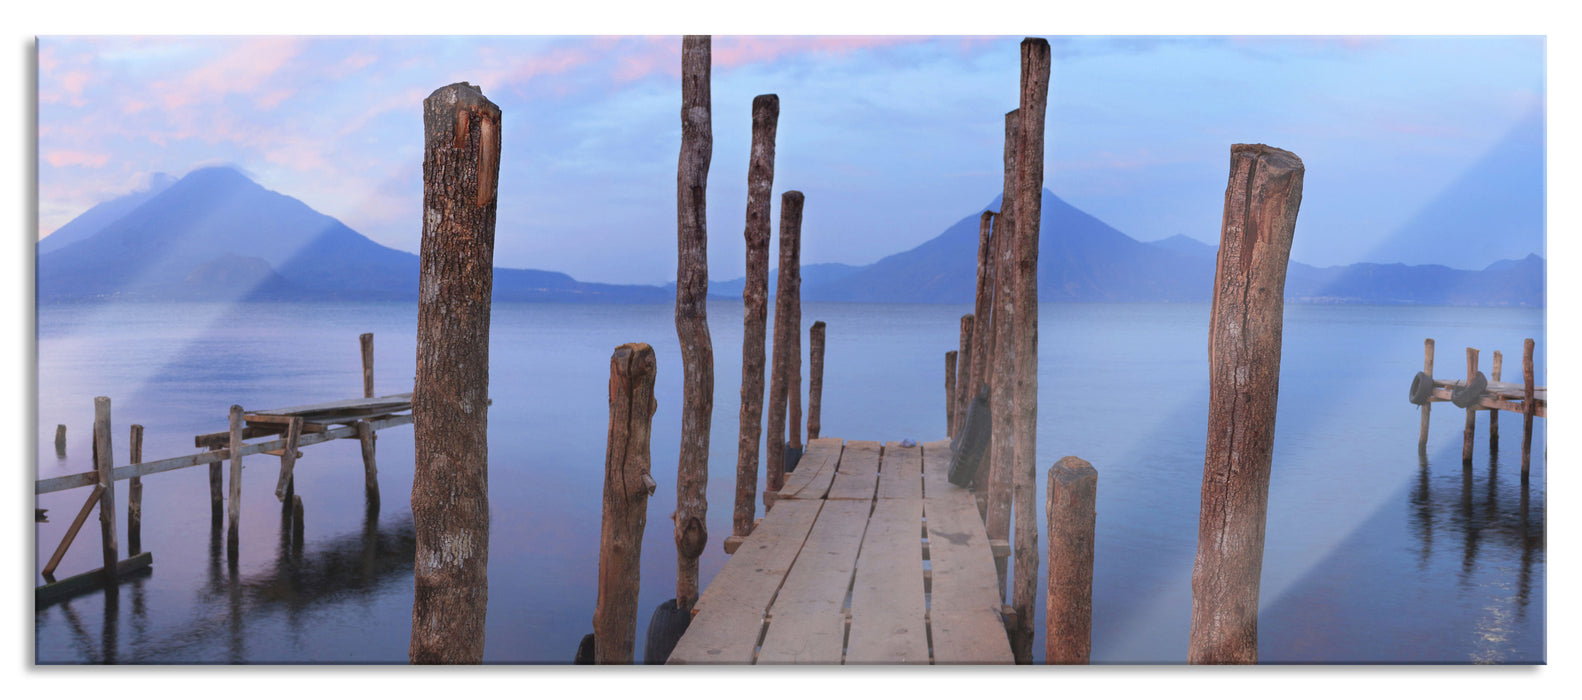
(241, 70)
(730, 52)
(64, 158)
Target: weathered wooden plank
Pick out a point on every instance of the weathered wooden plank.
(901, 475)
(806, 623)
(52, 593)
(964, 610)
(391, 402)
(81, 479)
(730, 611)
(858, 474)
(969, 638)
(888, 610)
(814, 471)
(936, 472)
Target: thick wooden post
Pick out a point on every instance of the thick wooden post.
(692, 327)
(367, 341)
(1472, 411)
(627, 486)
(1068, 603)
(794, 382)
(1002, 373)
(134, 497)
(964, 390)
(983, 306)
(1494, 413)
(787, 287)
(1428, 369)
(950, 392)
(233, 513)
(365, 437)
(1029, 199)
(103, 463)
(60, 440)
(1528, 409)
(755, 304)
(815, 384)
(450, 404)
(1245, 325)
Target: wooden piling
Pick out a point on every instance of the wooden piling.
(1527, 404)
(367, 341)
(1494, 413)
(365, 438)
(1002, 374)
(1029, 199)
(815, 385)
(787, 287)
(964, 390)
(1261, 203)
(983, 305)
(1472, 411)
(288, 458)
(233, 513)
(627, 486)
(692, 282)
(950, 392)
(298, 527)
(104, 462)
(755, 304)
(1068, 603)
(134, 497)
(450, 403)
(794, 383)
(60, 440)
(1428, 369)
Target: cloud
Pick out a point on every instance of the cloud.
(243, 69)
(65, 158)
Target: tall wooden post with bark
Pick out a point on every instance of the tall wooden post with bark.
(1068, 603)
(367, 342)
(692, 326)
(450, 404)
(815, 382)
(1471, 430)
(983, 305)
(1002, 438)
(950, 391)
(1245, 325)
(1029, 198)
(627, 486)
(787, 287)
(1528, 409)
(755, 303)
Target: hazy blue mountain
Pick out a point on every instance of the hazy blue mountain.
(103, 214)
(216, 234)
(817, 274)
(1182, 243)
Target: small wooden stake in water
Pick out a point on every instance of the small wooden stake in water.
(950, 392)
(1428, 369)
(104, 462)
(1069, 511)
(627, 487)
(1472, 411)
(134, 497)
(60, 440)
(367, 341)
(815, 386)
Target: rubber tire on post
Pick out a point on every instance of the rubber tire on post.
(793, 455)
(1422, 389)
(664, 630)
(1468, 395)
(584, 651)
(972, 443)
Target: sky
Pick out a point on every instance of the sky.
(891, 138)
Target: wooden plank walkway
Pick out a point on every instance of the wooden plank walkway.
(869, 556)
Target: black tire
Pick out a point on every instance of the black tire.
(584, 652)
(1468, 395)
(1422, 389)
(793, 455)
(972, 443)
(664, 630)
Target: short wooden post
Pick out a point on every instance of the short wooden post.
(815, 384)
(1428, 369)
(367, 341)
(1068, 603)
(1472, 411)
(233, 513)
(964, 392)
(1261, 203)
(1528, 409)
(755, 303)
(288, 459)
(1029, 198)
(950, 392)
(134, 497)
(1002, 371)
(627, 486)
(60, 440)
(104, 462)
(450, 403)
(787, 287)
(1494, 413)
(365, 437)
(692, 327)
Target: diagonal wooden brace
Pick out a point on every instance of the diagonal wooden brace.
(288, 457)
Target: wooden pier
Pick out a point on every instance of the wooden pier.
(1478, 392)
(869, 556)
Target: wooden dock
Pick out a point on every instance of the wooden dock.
(868, 556)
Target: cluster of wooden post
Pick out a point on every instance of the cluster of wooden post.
(1469, 430)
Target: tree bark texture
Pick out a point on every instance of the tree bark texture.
(627, 486)
(367, 342)
(1245, 324)
(755, 302)
(104, 463)
(1068, 603)
(1029, 198)
(1002, 442)
(450, 404)
(964, 392)
(787, 287)
(950, 392)
(983, 306)
(692, 326)
(815, 384)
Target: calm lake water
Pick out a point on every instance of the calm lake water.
(1372, 554)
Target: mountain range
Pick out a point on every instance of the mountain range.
(216, 235)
